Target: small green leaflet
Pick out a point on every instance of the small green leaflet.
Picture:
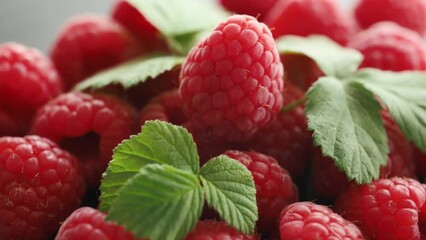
(180, 17)
(404, 94)
(133, 72)
(333, 59)
(159, 142)
(346, 121)
(159, 203)
(229, 188)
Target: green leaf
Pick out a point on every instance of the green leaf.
(333, 59)
(159, 142)
(159, 203)
(180, 17)
(230, 190)
(347, 125)
(404, 94)
(133, 72)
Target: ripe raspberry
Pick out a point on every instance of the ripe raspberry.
(87, 223)
(301, 70)
(232, 81)
(165, 107)
(329, 181)
(255, 8)
(410, 14)
(422, 217)
(388, 46)
(286, 138)
(27, 81)
(136, 23)
(274, 187)
(306, 17)
(214, 230)
(89, 127)
(39, 187)
(385, 209)
(88, 44)
(307, 220)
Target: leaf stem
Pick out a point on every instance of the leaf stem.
(294, 104)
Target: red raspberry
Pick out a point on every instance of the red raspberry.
(232, 81)
(90, 127)
(39, 187)
(274, 187)
(308, 221)
(27, 81)
(410, 14)
(301, 70)
(306, 17)
(422, 217)
(87, 223)
(286, 138)
(385, 209)
(88, 44)
(329, 181)
(255, 8)
(214, 230)
(388, 46)
(165, 107)
(135, 22)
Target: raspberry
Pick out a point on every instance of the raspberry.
(410, 14)
(385, 209)
(274, 187)
(232, 81)
(39, 187)
(329, 181)
(307, 220)
(422, 217)
(88, 44)
(388, 46)
(27, 81)
(306, 17)
(214, 230)
(135, 22)
(286, 138)
(255, 8)
(90, 127)
(301, 70)
(165, 107)
(87, 223)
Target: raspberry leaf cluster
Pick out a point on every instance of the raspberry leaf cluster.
(154, 180)
(343, 108)
(132, 72)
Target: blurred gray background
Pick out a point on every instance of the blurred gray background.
(36, 22)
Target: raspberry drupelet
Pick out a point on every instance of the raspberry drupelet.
(28, 80)
(39, 187)
(274, 187)
(217, 230)
(88, 126)
(231, 82)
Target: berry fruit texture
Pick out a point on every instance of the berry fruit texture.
(310, 221)
(388, 46)
(274, 186)
(39, 187)
(410, 13)
(88, 126)
(231, 82)
(216, 230)
(255, 8)
(306, 17)
(385, 209)
(28, 80)
(88, 224)
(89, 43)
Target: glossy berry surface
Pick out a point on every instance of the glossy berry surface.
(232, 81)
(39, 187)
(88, 126)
